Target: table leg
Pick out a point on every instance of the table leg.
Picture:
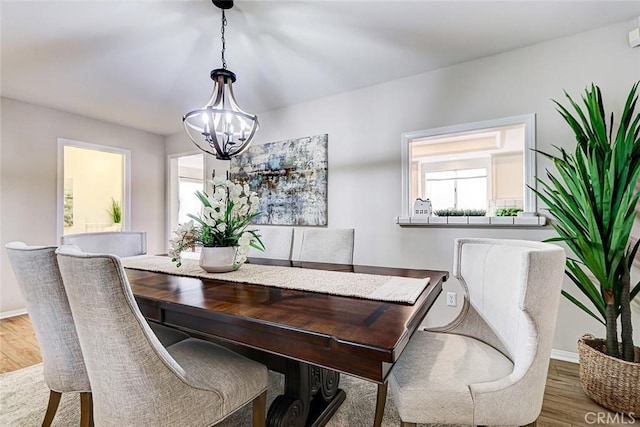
(311, 396)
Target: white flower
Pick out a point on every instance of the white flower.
(213, 226)
(220, 194)
(245, 238)
(185, 227)
(209, 212)
(213, 202)
(218, 180)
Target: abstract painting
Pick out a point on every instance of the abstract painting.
(289, 177)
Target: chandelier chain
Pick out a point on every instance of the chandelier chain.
(224, 24)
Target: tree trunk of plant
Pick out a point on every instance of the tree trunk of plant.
(628, 352)
(612, 326)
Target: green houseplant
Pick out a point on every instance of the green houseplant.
(115, 211)
(593, 200)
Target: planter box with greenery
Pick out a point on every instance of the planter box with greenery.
(593, 200)
(460, 212)
(508, 211)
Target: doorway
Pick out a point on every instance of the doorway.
(186, 176)
(93, 188)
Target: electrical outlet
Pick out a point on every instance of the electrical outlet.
(452, 299)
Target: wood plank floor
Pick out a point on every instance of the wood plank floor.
(565, 403)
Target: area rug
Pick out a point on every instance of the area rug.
(24, 396)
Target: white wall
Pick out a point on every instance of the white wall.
(28, 179)
(364, 128)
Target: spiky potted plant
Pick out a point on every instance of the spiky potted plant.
(115, 211)
(593, 200)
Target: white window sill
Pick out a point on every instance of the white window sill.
(471, 221)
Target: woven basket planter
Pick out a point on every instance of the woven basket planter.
(611, 382)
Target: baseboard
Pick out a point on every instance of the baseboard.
(13, 313)
(567, 356)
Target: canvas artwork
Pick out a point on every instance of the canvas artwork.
(289, 177)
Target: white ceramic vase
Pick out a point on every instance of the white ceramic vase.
(218, 260)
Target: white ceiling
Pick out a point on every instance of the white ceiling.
(145, 63)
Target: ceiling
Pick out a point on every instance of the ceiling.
(146, 63)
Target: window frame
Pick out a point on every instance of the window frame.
(529, 158)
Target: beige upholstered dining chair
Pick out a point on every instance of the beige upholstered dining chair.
(136, 381)
(489, 365)
(277, 241)
(36, 271)
(121, 243)
(38, 276)
(332, 245)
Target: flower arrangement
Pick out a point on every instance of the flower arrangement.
(223, 222)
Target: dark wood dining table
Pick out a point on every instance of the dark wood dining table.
(310, 337)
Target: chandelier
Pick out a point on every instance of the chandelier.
(221, 127)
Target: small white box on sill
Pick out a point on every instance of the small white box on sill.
(422, 207)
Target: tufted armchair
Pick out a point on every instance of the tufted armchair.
(489, 365)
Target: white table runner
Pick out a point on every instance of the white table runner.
(368, 286)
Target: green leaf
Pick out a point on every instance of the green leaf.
(582, 306)
(592, 197)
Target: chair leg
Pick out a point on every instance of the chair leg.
(52, 407)
(533, 424)
(381, 398)
(86, 409)
(403, 424)
(260, 410)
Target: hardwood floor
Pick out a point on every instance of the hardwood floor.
(565, 403)
(18, 345)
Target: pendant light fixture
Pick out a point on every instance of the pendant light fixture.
(221, 127)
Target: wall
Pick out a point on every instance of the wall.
(28, 179)
(365, 125)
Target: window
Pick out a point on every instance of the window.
(457, 189)
(186, 176)
(187, 200)
(92, 180)
(485, 165)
